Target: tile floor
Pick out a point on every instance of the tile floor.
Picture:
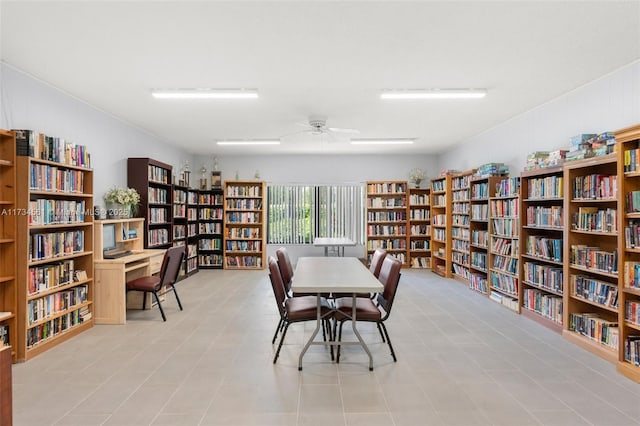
(462, 360)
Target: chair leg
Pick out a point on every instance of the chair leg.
(393, 354)
(177, 298)
(144, 300)
(380, 330)
(164, 317)
(324, 334)
(330, 337)
(339, 340)
(275, 335)
(284, 333)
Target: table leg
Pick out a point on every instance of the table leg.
(315, 332)
(355, 331)
(326, 251)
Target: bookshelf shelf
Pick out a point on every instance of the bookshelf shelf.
(51, 251)
(153, 181)
(243, 212)
(441, 220)
(8, 268)
(388, 219)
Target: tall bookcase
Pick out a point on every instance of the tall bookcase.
(210, 221)
(244, 225)
(387, 218)
(179, 236)
(419, 228)
(191, 261)
(441, 226)
(628, 140)
(152, 179)
(504, 214)
(460, 234)
(479, 229)
(591, 255)
(55, 248)
(8, 215)
(541, 246)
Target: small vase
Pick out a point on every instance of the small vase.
(417, 183)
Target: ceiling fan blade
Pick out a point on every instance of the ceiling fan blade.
(299, 132)
(338, 130)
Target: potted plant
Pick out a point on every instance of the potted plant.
(121, 203)
(416, 176)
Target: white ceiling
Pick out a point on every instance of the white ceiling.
(322, 57)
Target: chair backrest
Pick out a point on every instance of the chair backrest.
(171, 264)
(376, 261)
(276, 284)
(389, 277)
(286, 269)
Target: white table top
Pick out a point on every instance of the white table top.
(333, 274)
(323, 241)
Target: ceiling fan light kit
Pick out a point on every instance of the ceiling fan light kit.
(434, 94)
(205, 93)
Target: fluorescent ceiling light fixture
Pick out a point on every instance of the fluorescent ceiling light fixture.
(382, 141)
(250, 142)
(434, 94)
(204, 93)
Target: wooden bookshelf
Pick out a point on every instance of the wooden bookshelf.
(387, 212)
(179, 232)
(55, 253)
(460, 225)
(628, 151)
(479, 227)
(244, 225)
(441, 226)
(8, 216)
(542, 226)
(210, 223)
(591, 260)
(419, 228)
(152, 180)
(504, 215)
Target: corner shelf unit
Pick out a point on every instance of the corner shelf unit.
(479, 227)
(191, 261)
(460, 221)
(55, 254)
(628, 362)
(210, 223)
(542, 283)
(504, 215)
(387, 209)
(8, 218)
(152, 180)
(244, 225)
(441, 226)
(591, 255)
(419, 228)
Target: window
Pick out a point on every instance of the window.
(299, 213)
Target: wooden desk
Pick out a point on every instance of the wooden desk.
(334, 275)
(111, 276)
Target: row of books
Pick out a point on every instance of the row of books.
(632, 274)
(46, 277)
(179, 196)
(504, 283)
(210, 259)
(386, 188)
(505, 264)
(214, 228)
(595, 328)
(632, 312)
(460, 219)
(439, 200)
(478, 283)
(480, 191)
(480, 212)
(632, 204)
(419, 199)
(210, 244)
(479, 260)
(595, 291)
(386, 230)
(420, 230)
(506, 227)
(632, 235)
(244, 191)
(460, 195)
(232, 245)
(157, 237)
(545, 276)
(235, 217)
(43, 177)
(440, 234)
(158, 174)
(460, 245)
(210, 213)
(547, 305)
(207, 199)
(504, 299)
(504, 246)
(544, 248)
(55, 244)
(480, 237)
(460, 182)
(492, 169)
(419, 214)
(420, 262)
(38, 145)
(387, 216)
(632, 350)
(632, 160)
(157, 195)
(388, 244)
(461, 208)
(509, 187)
(55, 326)
(420, 245)
(244, 204)
(243, 261)
(594, 258)
(595, 187)
(545, 188)
(460, 233)
(505, 208)
(544, 159)
(546, 217)
(460, 258)
(243, 232)
(53, 212)
(460, 271)
(381, 203)
(44, 307)
(594, 219)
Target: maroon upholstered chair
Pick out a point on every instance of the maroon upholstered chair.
(376, 261)
(286, 268)
(366, 309)
(295, 309)
(163, 282)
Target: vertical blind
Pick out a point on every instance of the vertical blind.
(299, 213)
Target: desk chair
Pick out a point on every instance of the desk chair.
(164, 281)
(295, 309)
(366, 309)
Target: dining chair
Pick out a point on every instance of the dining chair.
(296, 309)
(376, 263)
(366, 309)
(162, 283)
(286, 268)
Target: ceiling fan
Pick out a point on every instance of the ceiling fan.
(317, 125)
